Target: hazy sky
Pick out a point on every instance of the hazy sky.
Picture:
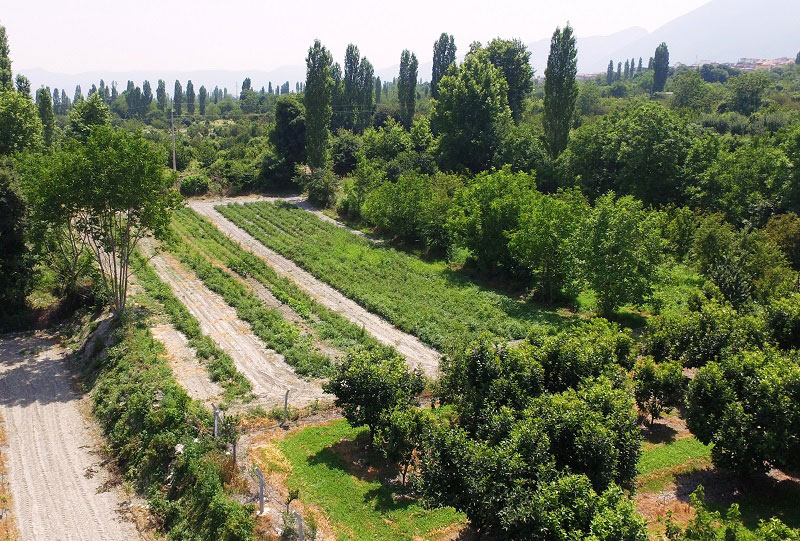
(78, 35)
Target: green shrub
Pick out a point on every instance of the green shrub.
(194, 184)
(658, 386)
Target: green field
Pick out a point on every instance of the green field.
(358, 506)
(426, 299)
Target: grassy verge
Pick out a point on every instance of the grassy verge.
(161, 438)
(328, 325)
(8, 526)
(659, 464)
(358, 504)
(267, 323)
(423, 298)
(220, 365)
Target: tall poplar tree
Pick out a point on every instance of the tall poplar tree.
(378, 90)
(660, 67)
(161, 95)
(177, 98)
(610, 73)
(6, 80)
(147, 96)
(407, 87)
(78, 94)
(64, 102)
(56, 102)
(512, 58)
(202, 96)
(23, 85)
(627, 69)
(444, 55)
(560, 89)
(366, 86)
(317, 100)
(190, 97)
(350, 89)
(639, 68)
(44, 105)
(619, 71)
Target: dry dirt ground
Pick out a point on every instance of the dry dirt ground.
(418, 354)
(60, 487)
(264, 368)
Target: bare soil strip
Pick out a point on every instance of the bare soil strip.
(266, 369)
(188, 371)
(418, 354)
(60, 487)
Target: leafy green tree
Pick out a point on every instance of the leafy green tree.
(45, 109)
(783, 230)
(23, 85)
(161, 95)
(177, 98)
(621, 250)
(401, 434)
(560, 89)
(660, 67)
(87, 114)
(124, 195)
(444, 55)
(545, 241)
(6, 78)
(56, 102)
(627, 72)
(78, 95)
(344, 152)
(147, 97)
(288, 135)
(190, 97)
(364, 105)
(485, 210)
(639, 67)
(20, 127)
(690, 91)
(658, 386)
(512, 58)
(378, 88)
(610, 73)
(618, 75)
(368, 385)
(351, 91)
(407, 87)
(317, 99)
(748, 92)
(471, 115)
(15, 271)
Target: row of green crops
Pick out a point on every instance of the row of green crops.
(423, 298)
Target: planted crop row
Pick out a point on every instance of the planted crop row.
(329, 326)
(268, 324)
(220, 365)
(426, 299)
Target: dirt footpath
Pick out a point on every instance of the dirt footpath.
(60, 487)
(418, 354)
(266, 369)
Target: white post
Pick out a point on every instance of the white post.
(260, 491)
(299, 525)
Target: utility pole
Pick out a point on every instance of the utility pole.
(172, 122)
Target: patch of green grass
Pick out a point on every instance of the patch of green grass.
(424, 298)
(359, 508)
(669, 455)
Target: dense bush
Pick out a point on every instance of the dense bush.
(320, 185)
(345, 148)
(194, 184)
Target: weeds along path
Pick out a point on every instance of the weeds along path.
(418, 354)
(58, 482)
(265, 368)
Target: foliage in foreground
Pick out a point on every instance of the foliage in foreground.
(146, 415)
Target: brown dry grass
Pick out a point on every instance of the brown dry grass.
(8, 525)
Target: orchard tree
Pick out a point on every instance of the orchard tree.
(621, 250)
(317, 99)
(660, 67)
(512, 58)
(87, 114)
(560, 90)
(45, 109)
(124, 195)
(658, 386)
(407, 87)
(400, 434)
(444, 56)
(177, 98)
(20, 127)
(369, 384)
(471, 115)
(161, 95)
(202, 97)
(190, 97)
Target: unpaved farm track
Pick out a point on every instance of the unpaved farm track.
(264, 368)
(59, 485)
(418, 354)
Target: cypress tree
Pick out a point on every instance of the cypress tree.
(44, 106)
(560, 89)
(317, 99)
(190, 97)
(619, 71)
(610, 73)
(177, 98)
(444, 55)
(660, 68)
(627, 69)
(202, 95)
(147, 96)
(64, 102)
(161, 95)
(639, 68)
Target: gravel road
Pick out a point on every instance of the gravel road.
(60, 487)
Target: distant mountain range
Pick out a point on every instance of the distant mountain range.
(720, 31)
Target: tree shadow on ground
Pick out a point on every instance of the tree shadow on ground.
(658, 433)
(760, 497)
